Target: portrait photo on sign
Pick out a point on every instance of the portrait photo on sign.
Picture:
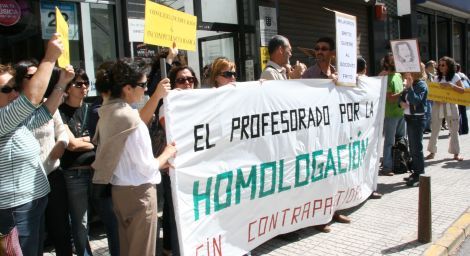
(406, 55)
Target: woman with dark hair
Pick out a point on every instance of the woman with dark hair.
(446, 76)
(53, 139)
(414, 102)
(183, 77)
(77, 159)
(125, 158)
(24, 186)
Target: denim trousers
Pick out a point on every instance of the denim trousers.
(104, 208)
(57, 214)
(415, 127)
(78, 183)
(29, 219)
(428, 115)
(170, 235)
(394, 128)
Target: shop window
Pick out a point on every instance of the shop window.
(424, 38)
(443, 36)
(219, 11)
(457, 41)
(102, 30)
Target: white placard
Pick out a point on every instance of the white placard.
(258, 160)
(406, 55)
(267, 24)
(48, 19)
(136, 30)
(346, 48)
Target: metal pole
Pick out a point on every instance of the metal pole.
(424, 210)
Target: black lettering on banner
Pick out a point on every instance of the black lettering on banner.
(264, 124)
(284, 121)
(301, 119)
(293, 124)
(274, 123)
(253, 122)
(245, 123)
(235, 126)
(197, 137)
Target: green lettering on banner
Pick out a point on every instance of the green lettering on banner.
(338, 151)
(202, 197)
(298, 159)
(263, 167)
(330, 163)
(228, 191)
(356, 154)
(364, 145)
(281, 177)
(242, 183)
(314, 166)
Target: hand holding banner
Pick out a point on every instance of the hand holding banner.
(165, 26)
(63, 30)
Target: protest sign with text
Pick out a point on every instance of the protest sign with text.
(442, 93)
(258, 160)
(63, 30)
(346, 48)
(406, 55)
(165, 26)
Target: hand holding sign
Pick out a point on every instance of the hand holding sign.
(54, 48)
(63, 30)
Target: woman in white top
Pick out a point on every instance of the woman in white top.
(446, 76)
(125, 159)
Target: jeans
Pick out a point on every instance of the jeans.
(428, 115)
(57, 214)
(170, 235)
(104, 207)
(29, 219)
(415, 127)
(78, 183)
(394, 128)
(463, 120)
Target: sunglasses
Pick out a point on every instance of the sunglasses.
(228, 74)
(7, 89)
(442, 65)
(182, 80)
(324, 49)
(143, 85)
(28, 76)
(81, 84)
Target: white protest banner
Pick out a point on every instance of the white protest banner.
(346, 48)
(255, 161)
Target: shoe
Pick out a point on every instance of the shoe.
(458, 158)
(341, 218)
(430, 156)
(386, 173)
(413, 181)
(289, 237)
(426, 131)
(407, 178)
(325, 228)
(375, 195)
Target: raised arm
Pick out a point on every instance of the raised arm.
(147, 111)
(55, 99)
(35, 88)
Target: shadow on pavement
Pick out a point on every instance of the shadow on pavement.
(384, 188)
(401, 247)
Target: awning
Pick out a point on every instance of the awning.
(460, 8)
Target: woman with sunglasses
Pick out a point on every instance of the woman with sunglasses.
(53, 139)
(181, 78)
(222, 72)
(446, 76)
(24, 186)
(125, 159)
(77, 158)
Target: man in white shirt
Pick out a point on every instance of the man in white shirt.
(278, 67)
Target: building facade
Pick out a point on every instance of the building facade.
(237, 29)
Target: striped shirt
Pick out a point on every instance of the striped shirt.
(22, 177)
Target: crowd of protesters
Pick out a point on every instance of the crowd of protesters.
(60, 156)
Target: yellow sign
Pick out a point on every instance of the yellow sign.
(442, 93)
(63, 30)
(264, 55)
(164, 25)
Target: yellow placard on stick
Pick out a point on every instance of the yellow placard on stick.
(264, 55)
(63, 30)
(446, 94)
(164, 25)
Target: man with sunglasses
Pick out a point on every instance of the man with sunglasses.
(324, 53)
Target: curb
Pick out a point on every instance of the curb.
(452, 238)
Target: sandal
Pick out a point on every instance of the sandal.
(458, 158)
(430, 156)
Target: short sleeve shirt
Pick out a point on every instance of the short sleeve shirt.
(394, 85)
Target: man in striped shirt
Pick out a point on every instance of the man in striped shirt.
(23, 182)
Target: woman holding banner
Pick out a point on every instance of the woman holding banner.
(414, 102)
(446, 76)
(222, 72)
(124, 158)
